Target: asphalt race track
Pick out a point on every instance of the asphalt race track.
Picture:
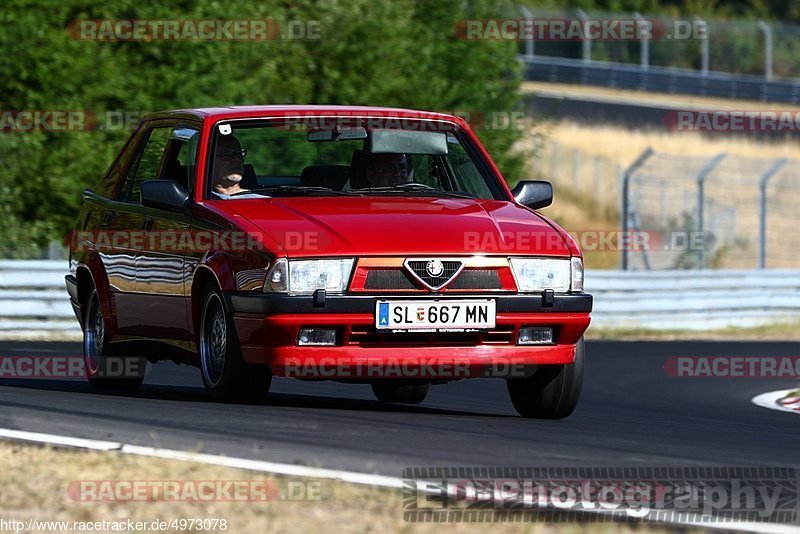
(631, 414)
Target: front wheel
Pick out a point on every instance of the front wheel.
(226, 376)
(103, 369)
(397, 392)
(552, 392)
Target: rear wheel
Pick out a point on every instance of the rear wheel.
(552, 392)
(400, 393)
(104, 369)
(226, 376)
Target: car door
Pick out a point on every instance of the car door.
(126, 227)
(161, 273)
(104, 230)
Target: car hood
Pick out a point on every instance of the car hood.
(396, 226)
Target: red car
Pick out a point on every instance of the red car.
(356, 244)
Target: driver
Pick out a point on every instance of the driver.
(387, 170)
(228, 167)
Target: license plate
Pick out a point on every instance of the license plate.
(434, 315)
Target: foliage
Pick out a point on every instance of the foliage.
(389, 53)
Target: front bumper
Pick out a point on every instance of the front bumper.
(268, 326)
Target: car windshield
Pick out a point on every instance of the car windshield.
(359, 156)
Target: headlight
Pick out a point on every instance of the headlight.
(538, 274)
(306, 276)
(577, 275)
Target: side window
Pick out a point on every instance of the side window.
(179, 161)
(111, 181)
(146, 165)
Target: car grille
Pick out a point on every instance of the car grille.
(451, 267)
(396, 280)
(477, 279)
(388, 279)
(370, 337)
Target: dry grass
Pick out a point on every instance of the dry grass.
(35, 481)
(577, 213)
(623, 146)
(587, 200)
(587, 183)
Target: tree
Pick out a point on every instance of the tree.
(391, 53)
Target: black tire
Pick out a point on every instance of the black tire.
(400, 393)
(552, 392)
(226, 376)
(105, 369)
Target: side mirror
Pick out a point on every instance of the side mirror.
(533, 193)
(165, 195)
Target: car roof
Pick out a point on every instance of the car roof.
(243, 112)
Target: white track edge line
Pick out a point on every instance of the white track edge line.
(225, 461)
(62, 441)
(770, 400)
(268, 467)
(305, 471)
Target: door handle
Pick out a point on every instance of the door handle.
(107, 218)
(147, 225)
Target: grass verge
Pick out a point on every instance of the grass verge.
(622, 145)
(36, 482)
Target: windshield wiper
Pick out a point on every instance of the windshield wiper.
(290, 189)
(414, 187)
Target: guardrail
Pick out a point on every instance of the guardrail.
(34, 301)
(694, 300)
(660, 79)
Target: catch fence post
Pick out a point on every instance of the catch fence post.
(763, 183)
(625, 200)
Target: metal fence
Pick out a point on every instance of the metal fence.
(745, 46)
(742, 210)
(722, 211)
(693, 300)
(34, 302)
(571, 169)
(661, 79)
(748, 59)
